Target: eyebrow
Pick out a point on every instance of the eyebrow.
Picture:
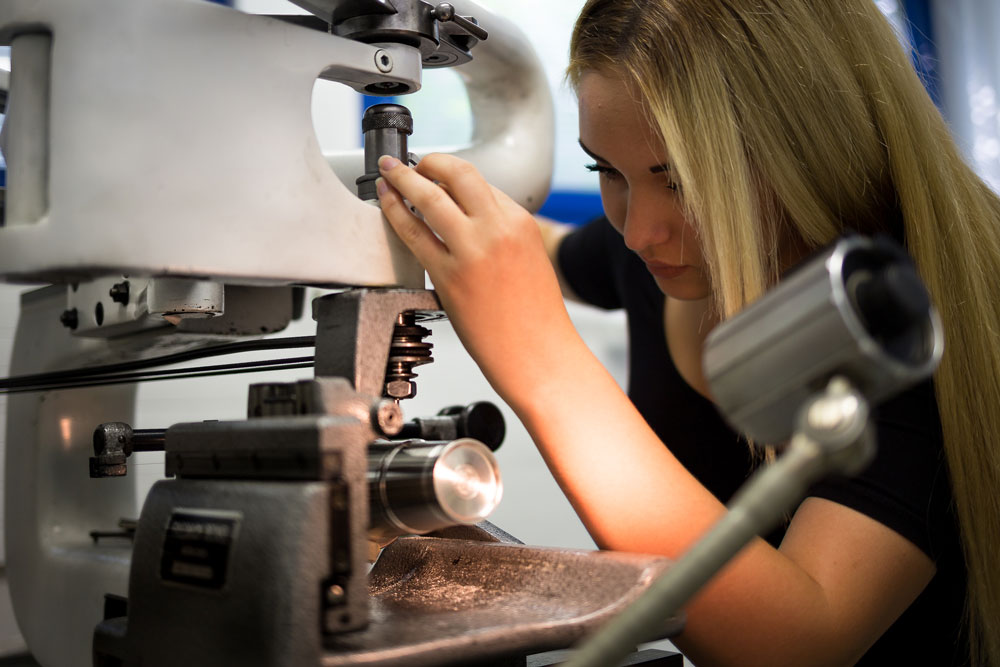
(655, 169)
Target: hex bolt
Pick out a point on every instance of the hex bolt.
(400, 389)
(383, 61)
(119, 293)
(70, 319)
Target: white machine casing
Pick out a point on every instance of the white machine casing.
(174, 138)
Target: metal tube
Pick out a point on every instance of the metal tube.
(149, 439)
(416, 487)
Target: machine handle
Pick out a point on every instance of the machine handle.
(446, 12)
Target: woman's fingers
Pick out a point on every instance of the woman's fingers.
(413, 231)
(440, 211)
(461, 179)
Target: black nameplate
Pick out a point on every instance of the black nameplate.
(196, 548)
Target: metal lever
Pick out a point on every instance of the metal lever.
(446, 12)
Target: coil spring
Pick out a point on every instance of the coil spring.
(406, 351)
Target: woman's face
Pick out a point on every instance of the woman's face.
(640, 195)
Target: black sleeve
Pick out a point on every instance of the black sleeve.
(590, 259)
(906, 487)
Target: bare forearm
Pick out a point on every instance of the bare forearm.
(605, 457)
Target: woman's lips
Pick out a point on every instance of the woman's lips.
(661, 270)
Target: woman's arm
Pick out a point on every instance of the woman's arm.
(553, 233)
(839, 580)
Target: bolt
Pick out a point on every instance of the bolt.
(70, 319)
(399, 389)
(119, 293)
(383, 61)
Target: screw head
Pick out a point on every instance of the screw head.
(383, 61)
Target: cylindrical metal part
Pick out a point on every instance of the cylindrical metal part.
(180, 298)
(386, 128)
(481, 420)
(417, 486)
(149, 439)
(857, 309)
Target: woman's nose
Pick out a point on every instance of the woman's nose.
(646, 225)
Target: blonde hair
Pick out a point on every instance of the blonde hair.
(802, 119)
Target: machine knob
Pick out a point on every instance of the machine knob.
(446, 12)
(386, 128)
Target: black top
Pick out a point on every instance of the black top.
(906, 488)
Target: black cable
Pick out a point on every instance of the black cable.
(7, 385)
(170, 374)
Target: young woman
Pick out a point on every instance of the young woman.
(732, 137)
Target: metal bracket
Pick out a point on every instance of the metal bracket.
(354, 331)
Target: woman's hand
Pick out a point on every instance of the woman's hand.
(485, 256)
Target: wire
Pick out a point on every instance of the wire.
(172, 374)
(92, 376)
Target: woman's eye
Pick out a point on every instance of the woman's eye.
(606, 172)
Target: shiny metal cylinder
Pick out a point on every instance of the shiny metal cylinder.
(417, 486)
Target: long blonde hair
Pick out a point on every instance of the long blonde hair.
(804, 118)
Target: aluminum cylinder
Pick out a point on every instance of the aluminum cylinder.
(416, 486)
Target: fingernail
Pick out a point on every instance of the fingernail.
(387, 163)
(381, 186)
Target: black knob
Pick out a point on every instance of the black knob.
(386, 128)
(119, 293)
(482, 421)
(70, 319)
